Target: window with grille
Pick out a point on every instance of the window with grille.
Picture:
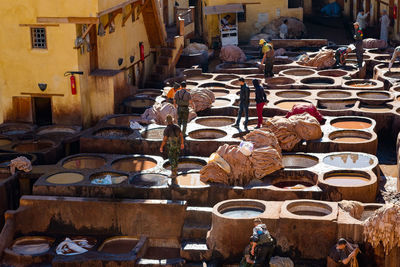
(38, 36)
(242, 15)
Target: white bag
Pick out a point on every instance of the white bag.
(135, 126)
(246, 148)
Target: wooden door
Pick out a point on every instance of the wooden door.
(42, 111)
(93, 52)
(22, 109)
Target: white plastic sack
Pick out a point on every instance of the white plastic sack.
(135, 125)
(246, 148)
(65, 248)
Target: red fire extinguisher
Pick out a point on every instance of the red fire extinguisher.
(395, 12)
(141, 46)
(73, 84)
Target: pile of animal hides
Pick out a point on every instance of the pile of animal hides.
(202, 99)
(269, 30)
(232, 53)
(20, 163)
(374, 43)
(383, 227)
(261, 152)
(324, 59)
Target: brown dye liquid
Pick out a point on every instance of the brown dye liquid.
(221, 103)
(123, 120)
(216, 122)
(361, 85)
(374, 96)
(293, 184)
(309, 213)
(119, 246)
(351, 124)
(287, 105)
(158, 253)
(133, 165)
(350, 139)
(31, 247)
(140, 103)
(346, 180)
(4, 142)
(189, 179)
(84, 163)
(32, 147)
(375, 108)
(65, 178)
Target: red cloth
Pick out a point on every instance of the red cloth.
(260, 107)
(302, 108)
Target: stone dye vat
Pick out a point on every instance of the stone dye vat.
(134, 164)
(363, 84)
(309, 208)
(374, 97)
(288, 104)
(207, 134)
(318, 81)
(200, 77)
(33, 146)
(334, 94)
(336, 104)
(149, 180)
(292, 94)
(221, 102)
(350, 160)
(226, 77)
(64, 178)
(241, 209)
(119, 245)
(215, 121)
(333, 73)
(84, 162)
(14, 129)
(299, 161)
(350, 136)
(298, 72)
(187, 164)
(108, 178)
(137, 104)
(57, 131)
(122, 120)
(353, 123)
(113, 132)
(280, 82)
(375, 108)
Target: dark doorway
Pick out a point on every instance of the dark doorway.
(42, 110)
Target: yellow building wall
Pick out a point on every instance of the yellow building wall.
(22, 68)
(247, 29)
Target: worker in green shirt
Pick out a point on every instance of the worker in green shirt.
(268, 58)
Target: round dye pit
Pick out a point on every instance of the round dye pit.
(132, 164)
(282, 61)
(4, 141)
(298, 72)
(221, 102)
(226, 78)
(123, 120)
(241, 209)
(248, 81)
(277, 82)
(201, 77)
(294, 185)
(376, 108)
(215, 121)
(293, 94)
(154, 134)
(15, 129)
(334, 94)
(220, 92)
(336, 104)
(139, 102)
(383, 58)
(287, 105)
(56, 130)
(84, 162)
(374, 97)
(102, 178)
(362, 84)
(113, 132)
(31, 245)
(187, 164)
(350, 160)
(65, 178)
(343, 179)
(315, 81)
(299, 161)
(350, 136)
(189, 180)
(162, 253)
(33, 146)
(153, 93)
(119, 245)
(309, 208)
(149, 180)
(379, 51)
(332, 73)
(207, 134)
(351, 123)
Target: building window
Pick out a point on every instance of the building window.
(295, 3)
(242, 15)
(38, 36)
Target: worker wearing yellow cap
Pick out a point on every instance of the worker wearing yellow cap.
(268, 58)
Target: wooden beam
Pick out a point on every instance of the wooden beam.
(87, 31)
(112, 18)
(126, 17)
(38, 94)
(75, 20)
(39, 25)
(115, 8)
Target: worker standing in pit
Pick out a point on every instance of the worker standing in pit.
(396, 54)
(268, 57)
(174, 139)
(182, 100)
(358, 38)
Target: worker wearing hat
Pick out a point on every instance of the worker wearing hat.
(342, 53)
(358, 38)
(173, 137)
(262, 244)
(268, 57)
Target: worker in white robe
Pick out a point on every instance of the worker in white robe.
(385, 22)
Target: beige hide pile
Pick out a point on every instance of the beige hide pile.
(374, 43)
(324, 59)
(232, 53)
(265, 160)
(384, 227)
(21, 164)
(290, 131)
(354, 208)
(158, 114)
(202, 98)
(262, 139)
